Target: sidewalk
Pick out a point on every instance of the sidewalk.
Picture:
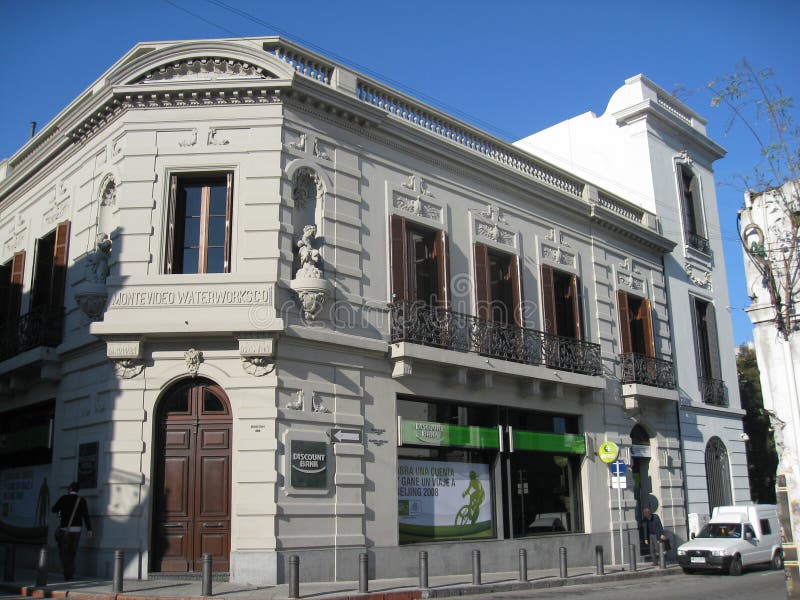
(379, 589)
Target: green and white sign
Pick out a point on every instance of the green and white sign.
(309, 464)
(608, 452)
(426, 433)
(565, 443)
(440, 500)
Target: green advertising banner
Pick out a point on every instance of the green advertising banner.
(441, 434)
(549, 442)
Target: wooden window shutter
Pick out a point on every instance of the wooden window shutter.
(624, 322)
(697, 206)
(516, 289)
(698, 344)
(442, 250)
(577, 305)
(60, 258)
(548, 301)
(398, 256)
(482, 284)
(228, 221)
(645, 315)
(713, 342)
(15, 291)
(169, 258)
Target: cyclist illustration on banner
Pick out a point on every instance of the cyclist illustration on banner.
(468, 514)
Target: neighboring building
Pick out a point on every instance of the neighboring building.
(652, 149)
(262, 305)
(768, 224)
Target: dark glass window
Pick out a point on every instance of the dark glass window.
(211, 403)
(501, 288)
(26, 435)
(765, 527)
(423, 274)
(178, 402)
(43, 271)
(200, 224)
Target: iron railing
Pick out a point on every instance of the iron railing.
(418, 323)
(42, 326)
(698, 242)
(713, 391)
(647, 370)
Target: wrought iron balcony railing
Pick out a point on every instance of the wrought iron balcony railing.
(713, 391)
(418, 323)
(647, 370)
(698, 242)
(42, 326)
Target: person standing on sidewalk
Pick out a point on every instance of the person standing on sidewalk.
(73, 512)
(653, 532)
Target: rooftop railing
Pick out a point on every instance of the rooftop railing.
(418, 323)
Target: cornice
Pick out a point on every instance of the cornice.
(651, 108)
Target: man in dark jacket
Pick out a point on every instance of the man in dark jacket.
(653, 531)
(73, 512)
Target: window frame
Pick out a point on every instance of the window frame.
(626, 320)
(549, 311)
(177, 182)
(692, 208)
(400, 264)
(483, 285)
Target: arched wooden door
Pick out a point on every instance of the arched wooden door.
(192, 483)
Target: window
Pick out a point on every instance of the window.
(718, 480)
(562, 303)
(765, 528)
(11, 277)
(497, 286)
(692, 207)
(199, 226)
(419, 265)
(50, 268)
(636, 328)
(709, 370)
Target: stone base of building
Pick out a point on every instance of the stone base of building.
(255, 567)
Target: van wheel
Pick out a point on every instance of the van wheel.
(736, 566)
(777, 561)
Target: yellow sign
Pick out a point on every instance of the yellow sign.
(608, 452)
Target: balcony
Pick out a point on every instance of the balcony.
(647, 370)
(698, 242)
(417, 323)
(42, 326)
(713, 391)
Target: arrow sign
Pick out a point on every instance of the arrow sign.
(352, 436)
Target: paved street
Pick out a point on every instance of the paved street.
(764, 585)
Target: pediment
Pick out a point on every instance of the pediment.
(210, 68)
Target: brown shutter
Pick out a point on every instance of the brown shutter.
(228, 221)
(624, 322)
(482, 284)
(698, 344)
(645, 315)
(713, 342)
(60, 258)
(697, 206)
(169, 258)
(577, 305)
(548, 301)
(441, 247)
(17, 277)
(516, 290)
(399, 272)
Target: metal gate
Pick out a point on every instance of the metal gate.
(718, 476)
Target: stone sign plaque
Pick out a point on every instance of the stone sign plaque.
(309, 464)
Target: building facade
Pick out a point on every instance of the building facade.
(259, 304)
(653, 150)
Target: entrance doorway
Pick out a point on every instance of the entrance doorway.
(642, 482)
(192, 479)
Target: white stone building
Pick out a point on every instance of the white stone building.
(652, 149)
(271, 306)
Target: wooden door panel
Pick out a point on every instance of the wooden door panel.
(176, 487)
(214, 439)
(175, 550)
(177, 439)
(213, 497)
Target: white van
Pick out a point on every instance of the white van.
(735, 537)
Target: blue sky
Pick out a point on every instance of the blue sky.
(512, 68)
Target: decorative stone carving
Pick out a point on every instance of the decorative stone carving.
(58, 204)
(703, 281)
(319, 151)
(257, 355)
(297, 404)
(190, 141)
(558, 255)
(318, 406)
(257, 366)
(108, 191)
(299, 143)
(128, 368)
(685, 157)
(193, 359)
(422, 187)
(417, 206)
(487, 225)
(311, 287)
(205, 69)
(213, 140)
(91, 295)
(304, 181)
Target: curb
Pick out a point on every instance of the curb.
(406, 594)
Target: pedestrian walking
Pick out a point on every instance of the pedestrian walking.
(73, 515)
(653, 531)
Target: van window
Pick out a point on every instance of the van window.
(765, 528)
(749, 529)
